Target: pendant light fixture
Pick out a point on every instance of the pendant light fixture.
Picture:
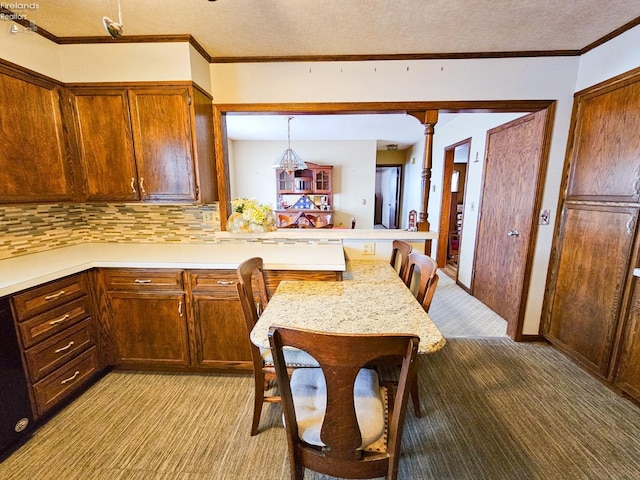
(114, 29)
(289, 160)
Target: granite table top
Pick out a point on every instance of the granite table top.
(348, 307)
(370, 271)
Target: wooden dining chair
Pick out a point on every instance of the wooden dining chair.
(431, 290)
(419, 278)
(400, 251)
(338, 419)
(420, 271)
(250, 273)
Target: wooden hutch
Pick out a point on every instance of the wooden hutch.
(305, 197)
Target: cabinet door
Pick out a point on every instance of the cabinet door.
(149, 329)
(105, 144)
(221, 335)
(284, 182)
(33, 165)
(323, 180)
(590, 279)
(628, 376)
(162, 133)
(606, 149)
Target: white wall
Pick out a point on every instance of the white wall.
(354, 162)
(30, 50)
(125, 62)
(108, 62)
(613, 58)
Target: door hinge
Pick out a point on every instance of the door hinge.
(197, 191)
(188, 99)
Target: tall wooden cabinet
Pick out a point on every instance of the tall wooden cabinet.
(150, 143)
(587, 311)
(34, 166)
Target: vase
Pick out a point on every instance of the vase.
(237, 224)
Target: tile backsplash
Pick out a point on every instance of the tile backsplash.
(34, 228)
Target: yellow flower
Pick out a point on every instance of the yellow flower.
(252, 210)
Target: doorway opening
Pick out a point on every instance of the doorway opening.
(387, 197)
(454, 181)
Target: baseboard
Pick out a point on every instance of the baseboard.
(533, 338)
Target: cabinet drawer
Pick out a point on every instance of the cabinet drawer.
(60, 384)
(221, 282)
(142, 279)
(51, 295)
(45, 357)
(54, 321)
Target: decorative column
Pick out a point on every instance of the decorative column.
(428, 118)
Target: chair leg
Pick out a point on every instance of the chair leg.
(415, 397)
(258, 400)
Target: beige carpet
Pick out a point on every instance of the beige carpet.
(495, 410)
(458, 314)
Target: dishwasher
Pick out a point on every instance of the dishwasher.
(16, 416)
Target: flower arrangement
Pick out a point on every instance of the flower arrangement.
(250, 216)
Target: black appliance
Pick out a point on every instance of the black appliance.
(16, 416)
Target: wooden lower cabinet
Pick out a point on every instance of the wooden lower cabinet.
(58, 337)
(628, 373)
(149, 328)
(221, 338)
(66, 380)
(188, 320)
(147, 317)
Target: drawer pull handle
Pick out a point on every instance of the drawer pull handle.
(62, 349)
(55, 295)
(180, 308)
(60, 320)
(227, 282)
(142, 185)
(146, 280)
(133, 186)
(66, 380)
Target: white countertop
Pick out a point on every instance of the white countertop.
(334, 233)
(18, 273)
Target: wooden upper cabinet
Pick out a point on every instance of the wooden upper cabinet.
(105, 142)
(145, 143)
(163, 143)
(604, 156)
(33, 162)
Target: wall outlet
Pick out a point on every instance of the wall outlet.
(207, 218)
(368, 248)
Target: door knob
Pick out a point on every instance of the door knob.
(513, 233)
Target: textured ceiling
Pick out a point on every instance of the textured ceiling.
(250, 28)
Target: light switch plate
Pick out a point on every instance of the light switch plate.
(544, 217)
